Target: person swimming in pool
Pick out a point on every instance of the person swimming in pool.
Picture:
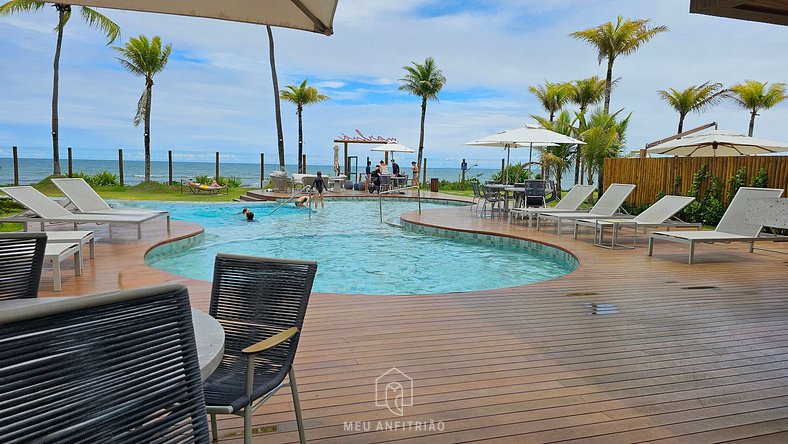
(248, 213)
(302, 201)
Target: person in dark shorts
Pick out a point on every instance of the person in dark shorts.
(320, 187)
(394, 167)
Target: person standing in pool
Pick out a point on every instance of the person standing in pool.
(320, 187)
(415, 169)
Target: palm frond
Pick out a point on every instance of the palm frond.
(101, 22)
(142, 107)
(18, 6)
(424, 80)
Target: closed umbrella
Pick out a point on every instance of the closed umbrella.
(337, 170)
(718, 143)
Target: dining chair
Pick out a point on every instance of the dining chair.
(21, 260)
(118, 367)
(261, 303)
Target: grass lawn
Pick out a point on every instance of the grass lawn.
(150, 191)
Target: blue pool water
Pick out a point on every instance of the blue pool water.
(355, 252)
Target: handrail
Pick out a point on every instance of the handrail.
(292, 196)
(397, 190)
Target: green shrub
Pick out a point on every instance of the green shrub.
(676, 185)
(761, 180)
(513, 169)
(634, 210)
(738, 180)
(80, 175)
(10, 206)
(205, 180)
(103, 179)
(230, 181)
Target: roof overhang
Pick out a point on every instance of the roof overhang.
(766, 11)
(307, 15)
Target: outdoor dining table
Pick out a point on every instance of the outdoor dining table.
(506, 189)
(208, 333)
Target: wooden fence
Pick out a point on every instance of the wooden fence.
(656, 175)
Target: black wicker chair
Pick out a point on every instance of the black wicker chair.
(261, 303)
(21, 260)
(117, 367)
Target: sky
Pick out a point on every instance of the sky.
(216, 92)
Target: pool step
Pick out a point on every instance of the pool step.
(256, 196)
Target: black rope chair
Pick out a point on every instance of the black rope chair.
(117, 367)
(21, 260)
(261, 303)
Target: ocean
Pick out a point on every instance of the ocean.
(33, 170)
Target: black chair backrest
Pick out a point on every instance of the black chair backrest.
(21, 259)
(476, 191)
(255, 298)
(118, 367)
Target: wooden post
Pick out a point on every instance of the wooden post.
(262, 169)
(169, 158)
(120, 165)
(303, 162)
(16, 166)
(386, 157)
(424, 173)
(463, 175)
(217, 166)
(347, 166)
(70, 165)
(503, 171)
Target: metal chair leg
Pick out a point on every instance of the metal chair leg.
(214, 428)
(297, 406)
(248, 424)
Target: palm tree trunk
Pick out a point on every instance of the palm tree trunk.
(277, 107)
(552, 114)
(149, 92)
(600, 186)
(608, 84)
(752, 121)
(681, 123)
(301, 168)
(577, 165)
(558, 175)
(421, 133)
(61, 9)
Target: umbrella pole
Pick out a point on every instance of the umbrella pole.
(530, 154)
(508, 151)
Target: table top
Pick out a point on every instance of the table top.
(208, 333)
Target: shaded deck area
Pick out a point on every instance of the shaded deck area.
(692, 353)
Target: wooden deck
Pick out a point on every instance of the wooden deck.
(693, 354)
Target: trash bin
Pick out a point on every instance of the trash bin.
(434, 183)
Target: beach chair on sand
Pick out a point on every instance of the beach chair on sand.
(732, 226)
(569, 203)
(87, 200)
(657, 215)
(607, 205)
(48, 211)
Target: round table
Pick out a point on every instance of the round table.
(208, 333)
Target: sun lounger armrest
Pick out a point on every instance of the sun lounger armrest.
(271, 342)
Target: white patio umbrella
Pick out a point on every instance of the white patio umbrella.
(527, 136)
(392, 146)
(718, 143)
(307, 15)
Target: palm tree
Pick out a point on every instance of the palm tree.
(754, 96)
(552, 96)
(626, 37)
(424, 81)
(144, 58)
(301, 95)
(92, 18)
(556, 159)
(277, 107)
(605, 137)
(586, 92)
(695, 98)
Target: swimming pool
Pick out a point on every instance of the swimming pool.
(355, 252)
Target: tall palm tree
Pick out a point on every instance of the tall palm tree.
(277, 106)
(92, 18)
(556, 159)
(426, 81)
(623, 38)
(586, 92)
(144, 58)
(755, 96)
(695, 98)
(301, 95)
(552, 96)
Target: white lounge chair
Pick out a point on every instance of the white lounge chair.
(49, 211)
(732, 226)
(569, 203)
(657, 215)
(87, 200)
(607, 205)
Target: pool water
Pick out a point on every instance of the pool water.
(356, 253)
